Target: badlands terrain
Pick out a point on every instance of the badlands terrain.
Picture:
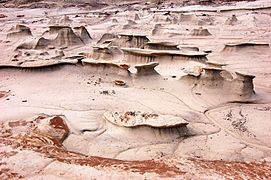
(135, 89)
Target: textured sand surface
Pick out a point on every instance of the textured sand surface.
(135, 90)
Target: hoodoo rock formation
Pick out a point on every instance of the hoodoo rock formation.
(19, 31)
(146, 69)
(200, 32)
(135, 89)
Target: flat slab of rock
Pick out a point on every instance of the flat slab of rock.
(137, 118)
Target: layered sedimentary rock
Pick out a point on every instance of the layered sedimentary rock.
(96, 66)
(238, 88)
(59, 36)
(244, 46)
(124, 40)
(118, 104)
(83, 33)
(146, 69)
(200, 32)
(131, 41)
(66, 37)
(185, 47)
(133, 55)
(19, 31)
(106, 37)
(129, 24)
(106, 52)
(161, 46)
(157, 29)
(36, 64)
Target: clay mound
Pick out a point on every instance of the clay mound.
(27, 45)
(83, 33)
(175, 20)
(245, 46)
(137, 18)
(42, 43)
(130, 41)
(129, 24)
(19, 31)
(232, 20)
(100, 66)
(114, 20)
(66, 37)
(107, 37)
(56, 29)
(200, 32)
(161, 46)
(146, 69)
(106, 52)
(157, 29)
(136, 118)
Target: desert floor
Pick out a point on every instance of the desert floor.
(135, 90)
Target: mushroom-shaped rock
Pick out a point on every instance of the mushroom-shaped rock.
(133, 119)
(146, 69)
(161, 46)
(244, 83)
(212, 73)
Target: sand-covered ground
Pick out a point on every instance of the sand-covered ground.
(135, 90)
